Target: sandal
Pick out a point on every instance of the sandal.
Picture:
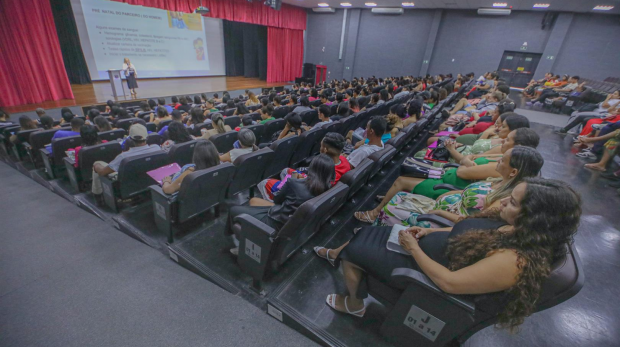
(363, 217)
(379, 198)
(331, 302)
(326, 257)
(595, 168)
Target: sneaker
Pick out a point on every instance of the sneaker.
(234, 251)
(528, 104)
(586, 155)
(561, 131)
(539, 105)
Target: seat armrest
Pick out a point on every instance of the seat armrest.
(433, 218)
(252, 226)
(407, 275)
(445, 186)
(449, 165)
(69, 160)
(156, 189)
(45, 152)
(255, 242)
(26, 146)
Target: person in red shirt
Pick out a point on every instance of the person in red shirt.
(332, 145)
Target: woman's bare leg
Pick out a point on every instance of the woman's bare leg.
(352, 278)
(601, 165)
(402, 183)
(333, 253)
(431, 140)
(260, 202)
(459, 105)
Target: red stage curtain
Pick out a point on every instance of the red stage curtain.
(285, 54)
(255, 12)
(31, 67)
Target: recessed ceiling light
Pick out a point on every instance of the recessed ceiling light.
(603, 7)
(541, 5)
(500, 4)
(408, 4)
(345, 4)
(370, 4)
(323, 4)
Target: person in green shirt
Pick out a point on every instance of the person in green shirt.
(210, 107)
(266, 114)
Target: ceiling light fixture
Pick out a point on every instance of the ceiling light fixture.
(323, 4)
(345, 4)
(500, 4)
(541, 5)
(408, 4)
(370, 4)
(603, 7)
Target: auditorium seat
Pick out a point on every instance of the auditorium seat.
(249, 171)
(132, 179)
(315, 103)
(53, 161)
(310, 117)
(152, 127)
(154, 139)
(182, 153)
(263, 249)
(125, 123)
(224, 142)
(37, 141)
(196, 131)
(87, 156)
(255, 116)
(281, 112)
(232, 121)
(258, 130)
(347, 124)
(200, 191)
(398, 141)
(111, 135)
(307, 141)
(162, 124)
(283, 151)
(357, 177)
(229, 112)
(271, 127)
(381, 158)
(23, 136)
(333, 127)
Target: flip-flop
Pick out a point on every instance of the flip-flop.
(326, 257)
(331, 302)
(595, 168)
(379, 198)
(363, 217)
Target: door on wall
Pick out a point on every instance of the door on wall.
(518, 68)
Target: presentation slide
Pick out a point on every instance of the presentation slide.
(159, 43)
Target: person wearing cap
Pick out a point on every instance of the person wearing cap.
(40, 113)
(138, 134)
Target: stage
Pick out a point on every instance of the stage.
(101, 91)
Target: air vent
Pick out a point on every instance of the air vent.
(393, 11)
(494, 11)
(323, 10)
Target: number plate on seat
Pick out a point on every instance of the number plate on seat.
(252, 250)
(423, 323)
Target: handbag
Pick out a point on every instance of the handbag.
(410, 169)
(439, 153)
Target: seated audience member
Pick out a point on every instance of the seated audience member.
(247, 144)
(76, 125)
(216, 98)
(414, 112)
(205, 156)
(137, 135)
(40, 113)
(332, 145)
(91, 115)
(354, 106)
(89, 136)
(304, 106)
(152, 104)
(323, 112)
(292, 127)
(108, 106)
(610, 105)
(25, 123)
(162, 115)
(177, 133)
(485, 122)
(293, 194)
(161, 103)
(314, 95)
(217, 120)
(610, 145)
(472, 169)
(240, 109)
(325, 99)
(384, 96)
(252, 100)
(573, 83)
(490, 80)
(209, 107)
(488, 254)
(123, 114)
(462, 113)
(66, 116)
(341, 112)
(516, 164)
(293, 100)
(145, 110)
(375, 129)
(403, 92)
(277, 101)
(102, 124)
(47, 122)
(184, 105)
(5, 118)
(197, 101)
(266, 113)
(196, 116)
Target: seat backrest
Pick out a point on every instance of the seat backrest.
(196, 131)
(24, 135)
(229, 112)
(283, 149)
(347, 124)
(132, 171)
(204, 189)
(154, 139)
(258, 130)
(152, 127)
(307, 140)
(61, 145)
(232, 121)
(249, 172)
(280, 112)
(182, 153)
(333, 127)
(398, 141)
(224, 142)
(124, 124)
(112, 135)
(87, 156)
(307, 220)
(271, 128)
(381, 158)
(255, 116)
(39, 139)
(163, 123)
(357, 177)
(310, 117)
(565, 280)
(315, 103)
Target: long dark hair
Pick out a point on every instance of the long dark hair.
(47, 122)
(178, 133)
(102, 123)
(205, 155)
(25, 123)
(88, 133)
(321, 174)
(548, 220)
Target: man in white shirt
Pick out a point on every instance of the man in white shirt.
(324, 112)
(138, 134)
(374, 130)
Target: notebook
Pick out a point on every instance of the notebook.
(392, 243)
(160, 173)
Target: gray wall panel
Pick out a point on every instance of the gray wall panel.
(324, 32)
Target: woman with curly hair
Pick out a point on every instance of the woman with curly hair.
(506, 252)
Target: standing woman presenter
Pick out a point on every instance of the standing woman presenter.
(131, 74)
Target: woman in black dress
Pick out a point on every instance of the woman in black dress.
(131, 74)
(293, 194)
(507, 251)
